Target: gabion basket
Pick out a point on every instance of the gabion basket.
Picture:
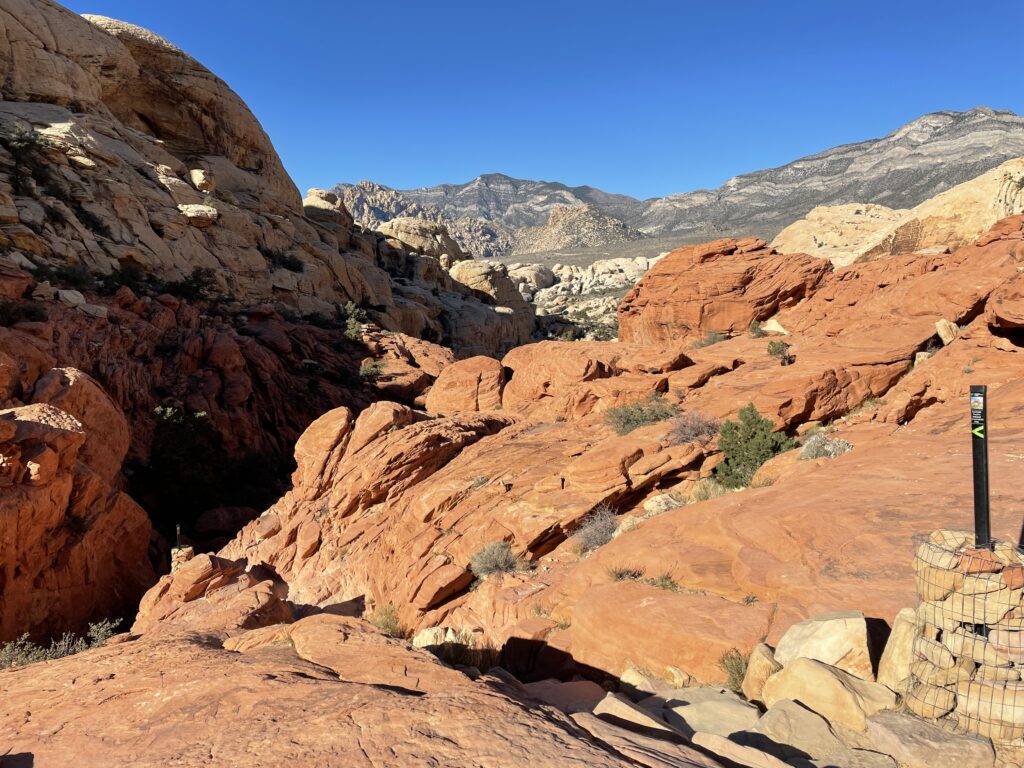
(968, 653)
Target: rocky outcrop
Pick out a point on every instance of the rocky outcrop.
(952, 218)
(122, 152)
(389, 507)
(576, 226)
(326, 690)
(74, 548)
(428, 238)
(720, 287)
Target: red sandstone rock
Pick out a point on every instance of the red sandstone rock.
(474, 384)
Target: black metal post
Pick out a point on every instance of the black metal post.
(979, 450)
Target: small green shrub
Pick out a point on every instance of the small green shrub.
(371, 370)
(597, 529)
(734, 664)
(478, 482)
(692, 427)
(496, 557)
(710, 338)
(818, 446)
(756, 330)
(780, 351)
(663, 581)
(386, 620)
(18, 653)
(354, 317)
(750, 599)
(747, 444)
(652, 409)
(14, 312)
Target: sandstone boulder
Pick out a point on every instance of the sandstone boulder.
(916, 744)
(836, 695)
(838, 639)
(894, 666)
(473, 384)
(760, 666)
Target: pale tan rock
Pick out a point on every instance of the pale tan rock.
(712, 710)
(946, 330)
(838, 639)
(760, 666)
(836, 695)
(430, 238)
(619, 708)
(736, 753)
(915, 744)
(199, 215)
(930, 701)
(643, 749)
(790, 731)
(894, 665)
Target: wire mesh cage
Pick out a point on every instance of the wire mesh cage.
(968, 654)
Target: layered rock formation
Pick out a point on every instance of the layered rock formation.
(900, 170)
(389, 507)
(120, 149)
(950, 219)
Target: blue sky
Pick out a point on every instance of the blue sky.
(644, 98)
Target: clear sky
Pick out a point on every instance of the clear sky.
(647, 97)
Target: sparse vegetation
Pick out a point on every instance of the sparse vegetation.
(734, 664)
(780, 351)
(750, 599)
(756, 330)
(693, 427)
(131, 275)
(708, 488)
(597, 529)
(26, 146)
(282, 260)
(467, 649)
(354, 316)
(747, 444)
(620, 573)
(13, 312)
(662, 581)
(496, 557)
(478, 482)
(710, 338)
(371, 370)
(650, 410)
(818, 446)
(198, 285)
(20, 652)
(386, 620)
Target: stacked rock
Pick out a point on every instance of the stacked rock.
(969, 644)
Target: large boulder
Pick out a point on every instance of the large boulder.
(838, 696)
(430, 238)
(474, 384)
(839, 639)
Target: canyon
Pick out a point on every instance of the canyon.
(349, 507)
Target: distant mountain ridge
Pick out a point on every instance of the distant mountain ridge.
(900, 170)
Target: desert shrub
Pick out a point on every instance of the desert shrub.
(75, 276)
(283, 260)
(747, 444)
(354, 317)
(478, 482)
(467, 649)
(623, 573)
(597, 529)
(818, 446)
(22, 651)
(131, 275)
(780, 351)
(371, 370)
(750, 599)
(709, 339)
(650, 410)
(496, 557)
(386, 620)
(708, 488)
(756, 330)
(691, 427)
(26, 146)
(198, 285)
(13, 312)
(734, 665)
(663, 581)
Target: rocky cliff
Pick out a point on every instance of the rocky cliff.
(120, 150)
(576, 226)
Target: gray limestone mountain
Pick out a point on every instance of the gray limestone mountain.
(900, 170)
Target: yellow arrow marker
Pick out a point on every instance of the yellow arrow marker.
(979, 431)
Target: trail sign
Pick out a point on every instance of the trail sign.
(979, 450)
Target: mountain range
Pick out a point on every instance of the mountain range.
(490, 214)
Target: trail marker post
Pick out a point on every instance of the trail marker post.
(979, 450)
